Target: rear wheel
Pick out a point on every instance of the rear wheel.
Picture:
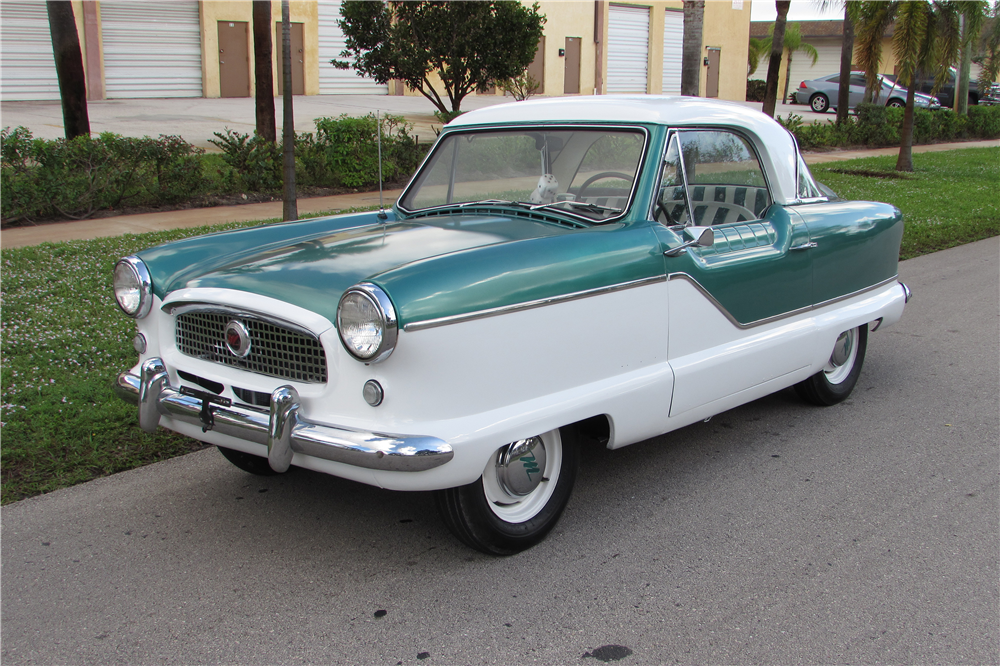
(248, 463)
(819, 103)
(896, 103)
(835, 382)
(519, 497)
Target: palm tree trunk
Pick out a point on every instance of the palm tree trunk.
(263, 79)
(846, 58)
(69, 68)
(694, 18)
(774, 64)
(905, 160)
(788, 76)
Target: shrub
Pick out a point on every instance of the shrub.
(984, 121)
(521, 87)
(75, 178)
(755, 90)
(345, 151)
(255, 161)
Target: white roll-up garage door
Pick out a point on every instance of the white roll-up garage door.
(673, 51)
(333, 81)
(151, 49)
(29, 69)
(628, 49)
(803, 69)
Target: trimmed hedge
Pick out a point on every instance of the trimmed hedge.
(76, 178)
(47, 179)
(877, 126)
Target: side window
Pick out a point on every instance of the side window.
(711, 177)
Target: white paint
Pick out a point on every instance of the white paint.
(673, 51)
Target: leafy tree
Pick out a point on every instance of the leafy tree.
(694, 19)
(469, 45)
(774, 64)
(69, 68)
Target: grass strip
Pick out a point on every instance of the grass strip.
(64, 340)
(949, 199)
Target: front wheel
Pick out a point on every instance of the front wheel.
(835, 382)
(896, 104)
(519, 497)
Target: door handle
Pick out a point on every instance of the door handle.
(804, 246)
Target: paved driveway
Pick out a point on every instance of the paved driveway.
(775, 533)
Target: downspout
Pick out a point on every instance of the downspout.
(599, 42)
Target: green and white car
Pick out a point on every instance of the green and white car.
(569, 269)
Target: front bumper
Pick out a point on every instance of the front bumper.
(280, 428)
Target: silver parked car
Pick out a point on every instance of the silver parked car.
(821, 94)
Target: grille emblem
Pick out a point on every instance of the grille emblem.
(237, 339)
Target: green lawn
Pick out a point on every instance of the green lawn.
(64, 340)
(951, 198)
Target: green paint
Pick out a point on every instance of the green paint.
(530, 465)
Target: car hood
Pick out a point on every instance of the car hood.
(310, 264)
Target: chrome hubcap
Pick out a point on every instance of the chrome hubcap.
(842, 349)
(520, 466)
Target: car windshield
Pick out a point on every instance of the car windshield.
(589, 173)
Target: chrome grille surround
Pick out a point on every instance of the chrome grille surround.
(277, 349)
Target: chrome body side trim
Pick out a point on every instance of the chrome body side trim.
(283, 430)
(783, 315)
(907, 294)
(529, 305)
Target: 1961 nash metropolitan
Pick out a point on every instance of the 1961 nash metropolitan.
(610, 267)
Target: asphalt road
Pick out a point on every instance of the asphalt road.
(776, 533)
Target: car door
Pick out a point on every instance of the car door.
(728, 325)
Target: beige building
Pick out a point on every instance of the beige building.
(191, 48)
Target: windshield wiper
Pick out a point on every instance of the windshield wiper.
(492, 202)
(581, 205)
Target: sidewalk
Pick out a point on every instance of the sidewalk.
(195, 217)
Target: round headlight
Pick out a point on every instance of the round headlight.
(133, 287)
(366, 321)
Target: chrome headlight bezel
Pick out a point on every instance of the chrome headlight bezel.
(385, 320)
(132, 269)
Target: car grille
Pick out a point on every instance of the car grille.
(275, 350)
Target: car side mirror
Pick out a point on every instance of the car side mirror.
(699, 236)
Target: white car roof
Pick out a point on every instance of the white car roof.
(775, 145)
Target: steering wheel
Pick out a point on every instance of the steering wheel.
(662, 208)
(600, 176)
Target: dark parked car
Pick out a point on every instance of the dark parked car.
(924, 83)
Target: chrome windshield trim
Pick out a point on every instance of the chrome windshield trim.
(643, 156)
(530, 305)
(783, 315)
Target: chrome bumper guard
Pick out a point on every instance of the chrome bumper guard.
(281, 429)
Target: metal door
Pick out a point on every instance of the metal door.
(714, 55)
(234, 59)
(29, 70)
(571, 68)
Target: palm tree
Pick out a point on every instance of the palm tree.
(927, 38)
(694, 18)
(69, 68)
(793, 42)
(774, 64)
(756, 48)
